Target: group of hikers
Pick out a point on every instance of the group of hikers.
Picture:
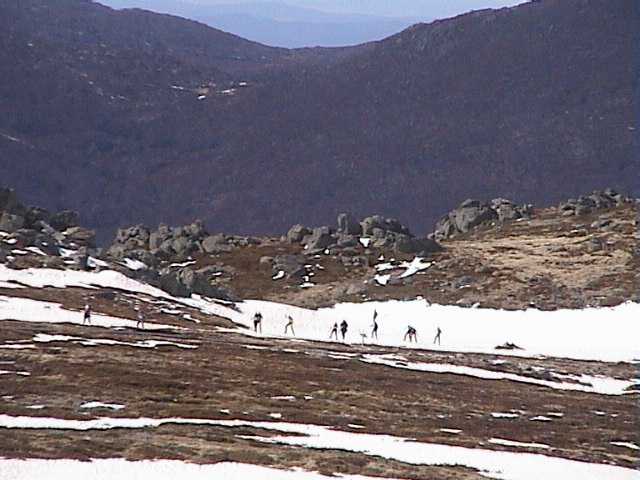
(86, 318)
(411, 334)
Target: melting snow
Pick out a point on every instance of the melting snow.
(630, 445)
(504, 415)
(36, 250)
(9, 372)
(135, 265)
(494, 464)
(577, 334)
(511, 443)
(108, 469)
(27, 310)
(541, 418)
(600, 385)
(112, 406)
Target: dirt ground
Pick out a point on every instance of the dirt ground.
(549, 262)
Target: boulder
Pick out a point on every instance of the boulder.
(347, 241)
(34, 217)
(10, 222)
(172, 284)
(133, 238)
(64, 220)
(412, 245)
(183, 246)
(348, 225)
(81, 236)
(215, 244)
(158, 237)
(196, 230)
(185, 282)
(291, 265)
(369, 223)
(472, 213)
(320, 239)
(297, 233)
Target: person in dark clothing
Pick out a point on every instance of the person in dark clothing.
(343, 328)
(374, 327)
(334, 331)
(87, 314)
(257, 322)
(140, 320)
(289, 325)
(411, 334)
(437, 337)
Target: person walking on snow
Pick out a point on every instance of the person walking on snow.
(437, 337)
(343, 328)
(374, 327)
(289, 324)
(412, 334)
(87, 314)
(257, 322)
(140, 321)
(334, 331)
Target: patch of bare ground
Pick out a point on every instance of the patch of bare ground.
(549, 261)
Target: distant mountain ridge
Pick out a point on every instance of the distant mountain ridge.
(139, 117)
(279, 24)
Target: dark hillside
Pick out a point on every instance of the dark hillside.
(105, 109)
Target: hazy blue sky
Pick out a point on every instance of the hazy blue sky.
(398, 8)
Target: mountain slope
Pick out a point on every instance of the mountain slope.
(534, 103)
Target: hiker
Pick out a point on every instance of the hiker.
(343, 328)
(257, 322)
(87, 314)
(334, 331)
(437, 337)
(374, 327)
(412, 334)
(289, 324)
(140, 321)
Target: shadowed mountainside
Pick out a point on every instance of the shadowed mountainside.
(133, 116)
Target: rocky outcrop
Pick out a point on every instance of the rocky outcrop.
(36, 227)
(597, 200)
(174, 243)
(473, 213)
(186, 281)
(380, 232)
